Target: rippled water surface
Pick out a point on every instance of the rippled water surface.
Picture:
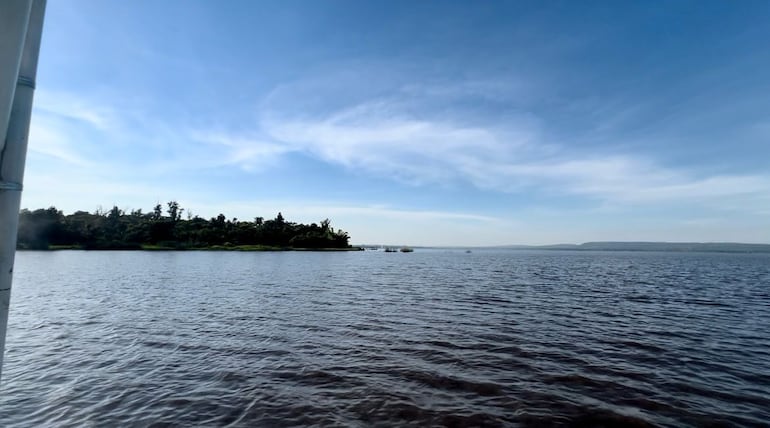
(434, 337)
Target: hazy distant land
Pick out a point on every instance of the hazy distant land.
(716, 247)
(707, 247)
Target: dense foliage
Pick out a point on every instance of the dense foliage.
(115, 229)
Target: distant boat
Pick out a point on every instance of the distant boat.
(390, 250)
(406, 250)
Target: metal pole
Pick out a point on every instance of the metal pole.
(13, 155)
(14, 16)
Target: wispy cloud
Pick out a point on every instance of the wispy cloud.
(405, 136)
(634, 180)
(67, 106)
(95, 132)
(50, 136)
(409, 149)
(245, 151)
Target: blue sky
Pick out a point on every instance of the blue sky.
(419, 123)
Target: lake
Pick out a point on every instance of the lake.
(434, 337)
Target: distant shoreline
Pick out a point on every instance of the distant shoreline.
(241, 248)
(671, 247)
(667, 247)
(708, 247)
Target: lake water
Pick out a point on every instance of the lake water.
(434, 337)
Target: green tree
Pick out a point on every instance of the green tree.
(115, 229)
(174, 211)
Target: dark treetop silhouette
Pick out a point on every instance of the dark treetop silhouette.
(115, 229)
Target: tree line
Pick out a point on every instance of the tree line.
(116, 229)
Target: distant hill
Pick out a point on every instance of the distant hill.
(715, 247)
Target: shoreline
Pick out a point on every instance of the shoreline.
(241, 248)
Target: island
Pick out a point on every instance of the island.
(50, 229)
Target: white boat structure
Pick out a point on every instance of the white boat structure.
(21, 26)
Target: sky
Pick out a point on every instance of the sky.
(413, 123)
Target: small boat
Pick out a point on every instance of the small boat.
(406, 250)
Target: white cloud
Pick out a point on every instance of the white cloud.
(407, 149)
(69, 106)
(88, 131)
(401, 135)
(404, 135)
(628, 180)
(52, 137)
(248, 152)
